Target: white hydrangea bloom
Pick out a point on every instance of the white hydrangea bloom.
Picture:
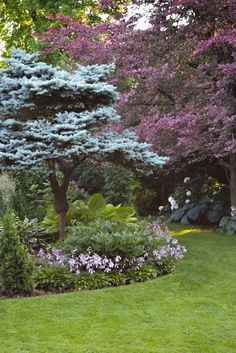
(173, 203)
(233, 211)
(187, 179)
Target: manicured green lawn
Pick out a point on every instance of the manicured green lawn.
(190, 311)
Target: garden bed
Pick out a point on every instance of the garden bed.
(93, 256)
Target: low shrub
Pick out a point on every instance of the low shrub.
(142, 273)
(55, 278)
(101, 280)
(7, 189)
(15, 266)
(60, 279)
(90, 177)
(228, 225)
(145, 201)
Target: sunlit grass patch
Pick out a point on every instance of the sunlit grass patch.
(192, 310)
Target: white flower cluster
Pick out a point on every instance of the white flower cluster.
(173, 203)
(233, 211)
(188, 192)
(186, 180)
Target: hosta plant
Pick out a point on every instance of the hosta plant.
(125, 253)
(228, 224)
(80, 212)
(204, 211)
(199, 200)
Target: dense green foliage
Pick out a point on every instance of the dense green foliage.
(145, 201)
(60, 279)
(119, 185)
(81, 212)
(55, 279)
(101, 280)
(104, 253)
(167, 315)
(7, 192)
(15, 266)
(90, 177)
(31, 234)
(110, 238)
(31, 195)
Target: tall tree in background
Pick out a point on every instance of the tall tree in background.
(52, 119)
(177, 78)
(19, 19)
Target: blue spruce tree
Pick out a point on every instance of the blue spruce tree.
(52, 119)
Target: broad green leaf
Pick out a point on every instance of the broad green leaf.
(97, 203)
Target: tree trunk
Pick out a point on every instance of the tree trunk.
(61, 207)
(59, 191)
(233, 183)
(62, 224)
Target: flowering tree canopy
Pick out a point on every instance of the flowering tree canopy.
(179, 86)
(52, 118)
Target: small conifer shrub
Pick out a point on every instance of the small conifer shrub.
(16, 269)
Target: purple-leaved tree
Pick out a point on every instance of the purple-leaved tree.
(177, 78)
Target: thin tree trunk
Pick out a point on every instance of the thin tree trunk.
(233, 183)
(62, 224)
(59, 191)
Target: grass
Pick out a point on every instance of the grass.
(192, 310)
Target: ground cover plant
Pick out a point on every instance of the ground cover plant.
(191, 310)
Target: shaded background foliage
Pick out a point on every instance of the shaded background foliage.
(190, 45)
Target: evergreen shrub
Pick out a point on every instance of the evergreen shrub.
(15, 266)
